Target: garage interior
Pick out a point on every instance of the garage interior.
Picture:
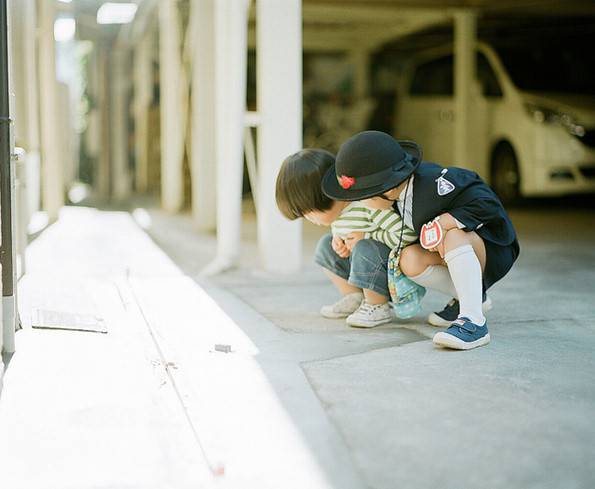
(144, 162)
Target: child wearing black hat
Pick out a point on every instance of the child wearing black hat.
(355, 256)
(475, 244)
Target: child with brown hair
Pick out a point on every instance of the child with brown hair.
(356, 253)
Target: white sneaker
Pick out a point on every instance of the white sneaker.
(370, 315)
(343, 307)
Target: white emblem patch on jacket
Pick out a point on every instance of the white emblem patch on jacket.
(444, 186)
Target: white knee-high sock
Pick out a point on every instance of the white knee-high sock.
(436, 277)
(465, 271)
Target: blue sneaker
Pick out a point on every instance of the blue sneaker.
(450, 313)
(463, 335)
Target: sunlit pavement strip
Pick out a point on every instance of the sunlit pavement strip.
(151, 404)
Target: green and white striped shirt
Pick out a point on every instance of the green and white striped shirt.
(381, 225)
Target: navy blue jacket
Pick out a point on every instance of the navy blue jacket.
(465, 196)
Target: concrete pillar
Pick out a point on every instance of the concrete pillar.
(143, 93)
(23, 70)
(68, 148)
(52, 171)
(103, 168)
(121, 178)
(231, 48)
(93, 133)
(16, 12)
(360, 57)
(464, 80)
(31, 87)
(279, 78)
(172, 137)
(22, 212)
(203, 158)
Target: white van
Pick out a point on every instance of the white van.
(534, 131)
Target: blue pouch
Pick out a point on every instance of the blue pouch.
(406, 295)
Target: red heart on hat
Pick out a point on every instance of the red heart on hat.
(345, 181)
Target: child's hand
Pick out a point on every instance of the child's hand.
(352, 238)
(339, 247)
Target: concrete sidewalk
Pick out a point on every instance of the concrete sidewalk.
(517, 414)
(300, 401)
(152, 403)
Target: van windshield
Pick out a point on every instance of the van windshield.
(547, 68)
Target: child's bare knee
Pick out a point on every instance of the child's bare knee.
(409, 261)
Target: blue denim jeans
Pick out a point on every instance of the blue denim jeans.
(365, 268)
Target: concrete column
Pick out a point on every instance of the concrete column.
(143, 93)
(360, 58)
(121, 179)
(231, 47)
(172, 137)
(52, 171)
(22, 213)
(102, 169)
(465, 70)
(23, 70)
(16, 12)
(204, 196)
(93, 134)
(68, 146)
(279, 77)
(31, 87)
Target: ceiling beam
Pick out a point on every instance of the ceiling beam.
(525, 7)
(361, 13)
(371, 37)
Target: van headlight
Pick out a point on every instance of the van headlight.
(545, 115)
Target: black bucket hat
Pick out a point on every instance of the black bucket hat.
(369, 164)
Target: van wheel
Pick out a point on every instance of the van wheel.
(505, 177)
